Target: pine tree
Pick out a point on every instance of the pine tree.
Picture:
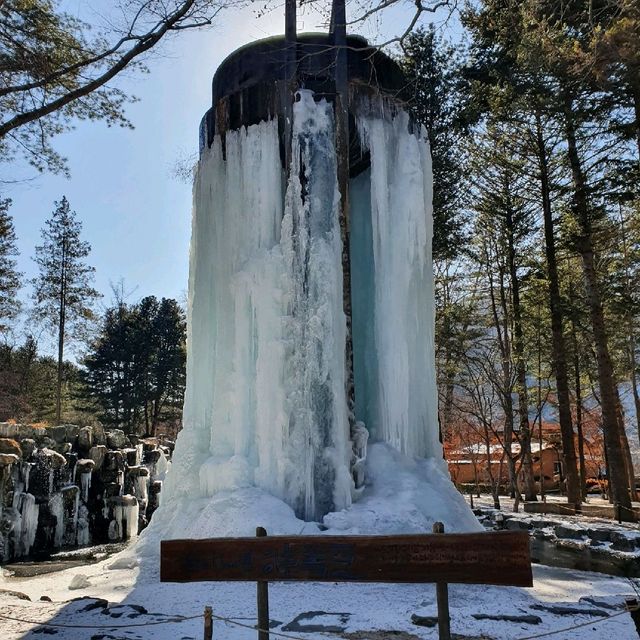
(503, 235)
(9, 277)
(538, 50)
(168, 367)
(135, 369)
(63, 294)
(435, 100)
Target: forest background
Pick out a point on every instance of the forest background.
(533, 115)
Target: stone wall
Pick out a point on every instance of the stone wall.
(69, 486)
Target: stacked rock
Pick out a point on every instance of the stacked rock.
(69, 486)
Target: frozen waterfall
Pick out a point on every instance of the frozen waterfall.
(265, 404)
(392, 288)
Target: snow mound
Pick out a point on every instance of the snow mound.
(403, 495)
(79, 581)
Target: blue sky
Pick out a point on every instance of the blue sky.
(135, 213)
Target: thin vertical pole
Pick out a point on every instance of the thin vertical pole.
(208, 623)
(291, 56)
(442, 598)
(262, 593)
(339, 27)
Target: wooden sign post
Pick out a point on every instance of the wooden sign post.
(498, 558)
(262, 598)
(442, 599)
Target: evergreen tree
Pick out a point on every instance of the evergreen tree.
(28, 385)
(168, 367)
(435, 100)
(63, 294)
(135, 369)
(537, 50)
(9, 276)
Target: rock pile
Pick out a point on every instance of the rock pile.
(573, 542)
(68, 486)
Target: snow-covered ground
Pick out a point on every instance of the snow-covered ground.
(403, 495)
(506, 503)
(132, 595)
(125, 590)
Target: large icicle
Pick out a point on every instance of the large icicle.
(318, 442)
(265, 399)
(391, 243)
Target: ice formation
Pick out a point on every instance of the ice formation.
(85, 485)
(50, 500)
(265, 418)
(392, 284)
(265, 399)
(125, 522)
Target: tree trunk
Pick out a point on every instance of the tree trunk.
(502, 330)
(606, 493)
(495, 485)
(578, 388)
(634, 384)
(617, 475)
(635, 89)
(558, 344)
(521, 368)
(147, 432)
(629, 316)
(626, 452)
(60, 367)
(539, 410)
(631, 349)
(449, 376)
(61, 328)
(628, 460)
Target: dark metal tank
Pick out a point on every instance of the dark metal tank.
(251, 85)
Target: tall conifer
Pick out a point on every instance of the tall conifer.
(63, 294)
(9, 276)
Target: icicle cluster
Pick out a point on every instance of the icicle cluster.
(68, 486)
(265, 403)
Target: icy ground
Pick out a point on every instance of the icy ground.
(125, 590)
(404, 496)
(133, 595)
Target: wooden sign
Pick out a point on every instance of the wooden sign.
(500, 558)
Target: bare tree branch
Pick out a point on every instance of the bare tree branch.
(167, 22)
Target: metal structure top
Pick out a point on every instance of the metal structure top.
(254, 83)
(265, 61)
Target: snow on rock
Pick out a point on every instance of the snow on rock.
(79, 581)
(61, 491)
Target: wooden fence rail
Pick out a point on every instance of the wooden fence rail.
(497, 558)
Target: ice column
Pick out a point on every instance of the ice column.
(265, 401)
(318, 439)
(392, 285)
